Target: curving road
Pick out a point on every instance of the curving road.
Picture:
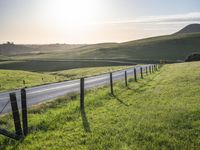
(43, 93)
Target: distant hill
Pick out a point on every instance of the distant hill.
(10, 49)
(192, 28)
(170, 47)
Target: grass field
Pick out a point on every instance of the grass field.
(158, 112)
(15, 79)
(86, 72)
(11, 79)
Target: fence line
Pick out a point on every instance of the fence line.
(21, 131)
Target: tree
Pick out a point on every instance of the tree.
(193, 57)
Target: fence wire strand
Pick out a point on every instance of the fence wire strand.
(4, 106)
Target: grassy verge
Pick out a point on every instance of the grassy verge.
(158, 112)
(14, 79)
(86, 72)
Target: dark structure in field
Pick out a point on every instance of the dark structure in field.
(193, 57)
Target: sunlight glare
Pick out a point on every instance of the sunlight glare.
(71, 12)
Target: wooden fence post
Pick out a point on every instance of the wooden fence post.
(141, 71)
(82, 94)
(24, 111)
(149, 69)
(152, 69)
(146, 70)
(135, 74)
(111, 84)
(16, 117)
(126, 81)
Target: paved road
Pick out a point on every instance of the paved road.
(43, 93)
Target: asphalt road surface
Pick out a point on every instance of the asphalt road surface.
(43, 93)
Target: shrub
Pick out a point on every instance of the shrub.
(193, 57)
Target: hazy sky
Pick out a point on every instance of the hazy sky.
(92, 21)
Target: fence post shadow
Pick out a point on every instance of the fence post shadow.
(119, 100)
(85, 122)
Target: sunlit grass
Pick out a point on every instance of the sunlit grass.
(159, 112)
(13, 79)
(86, 72)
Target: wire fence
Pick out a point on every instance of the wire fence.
(13, 108)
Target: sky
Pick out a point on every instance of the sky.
(92, 21)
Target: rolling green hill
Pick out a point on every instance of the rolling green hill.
(175, 47)
(159, 112)
(171, 47)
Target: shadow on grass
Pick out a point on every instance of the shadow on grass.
(15, 143)
(140, 87)
(119, 100)
(85, 122)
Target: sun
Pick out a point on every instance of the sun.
(71, 12)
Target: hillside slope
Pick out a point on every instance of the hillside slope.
(171, 47)
(158, 112)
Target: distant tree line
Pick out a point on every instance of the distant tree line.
(9, 43)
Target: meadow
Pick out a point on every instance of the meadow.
(16, 79)
(160, 111)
